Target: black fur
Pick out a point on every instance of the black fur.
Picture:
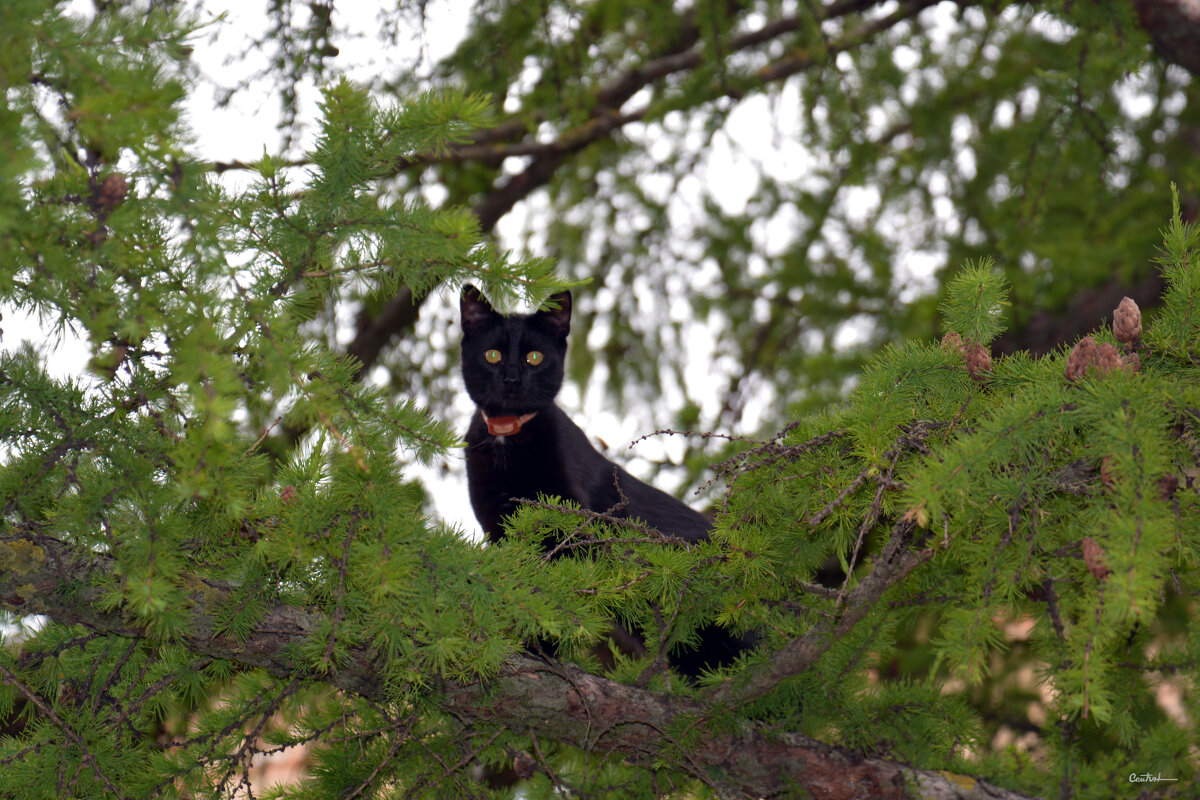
(550, 454)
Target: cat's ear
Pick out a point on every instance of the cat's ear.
(558, 319)
(475, 310)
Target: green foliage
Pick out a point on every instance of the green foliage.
(906, 141)
(975, 304)
(958, 552)
(194, 301)
(1177, 329)
(1052, 520)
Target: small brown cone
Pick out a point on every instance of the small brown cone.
(1082, 356)
(1093, 557)
(1102, 357)
(113, 190)
(1127, 322)
(1167, 486)
(1106, 474)
(1108, 358)
(979, 361)
(524, 766)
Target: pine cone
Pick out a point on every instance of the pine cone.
(1108, 358)
(979, 361)
(524, 766)
(1093, 557)
(1102, 357)
(1127, 322)
(112, 191)
(1082, 357)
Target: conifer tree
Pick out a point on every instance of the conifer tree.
(212, 548)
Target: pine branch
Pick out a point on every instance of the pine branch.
(43, 707)
(43, 575)
(606, 117)
(891, 566)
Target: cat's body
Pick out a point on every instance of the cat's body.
(521, 445)
(550, 455)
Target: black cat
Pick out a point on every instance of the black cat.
(520, 444)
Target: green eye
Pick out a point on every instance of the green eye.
(491, 356)
(534, 357)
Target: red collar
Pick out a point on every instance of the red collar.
(505, 426)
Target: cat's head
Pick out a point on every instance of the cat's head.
(513, 364)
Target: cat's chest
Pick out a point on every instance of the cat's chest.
(514, 466)
(503, 470)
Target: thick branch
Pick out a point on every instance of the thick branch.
(40, 575)
(374, 332)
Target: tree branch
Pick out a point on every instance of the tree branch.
(86, 755)
(891, 566)
(42, 575)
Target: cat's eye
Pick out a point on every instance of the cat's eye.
(491, 356)
(534, 357)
